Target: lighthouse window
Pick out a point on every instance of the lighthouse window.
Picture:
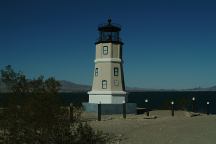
(104, 84)
(105, 50)
(96, 71)
(116, 71)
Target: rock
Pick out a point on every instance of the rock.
(191, 114)
(150, 117)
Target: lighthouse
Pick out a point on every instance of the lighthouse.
(108, 87)
(108, 81)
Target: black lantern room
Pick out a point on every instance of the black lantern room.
(109, 32)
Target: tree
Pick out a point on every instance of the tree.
(34, 114)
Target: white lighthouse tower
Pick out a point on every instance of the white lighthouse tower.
(108, 83)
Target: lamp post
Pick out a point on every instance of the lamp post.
(193, 104)
(146, 102)
(207, 107)
(172, 108)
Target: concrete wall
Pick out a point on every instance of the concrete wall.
(110, 108)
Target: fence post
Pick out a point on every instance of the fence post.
(99, 111)
(172, 108)
(71, 116)
(147, 108)
(124, 109)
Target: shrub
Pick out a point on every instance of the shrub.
(34, 114)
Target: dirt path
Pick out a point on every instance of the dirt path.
(165, 129)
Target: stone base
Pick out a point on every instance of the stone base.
(110, 108)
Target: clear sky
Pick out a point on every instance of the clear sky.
(167, 43)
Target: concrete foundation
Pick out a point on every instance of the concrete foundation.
(107, 97)
(110, 108)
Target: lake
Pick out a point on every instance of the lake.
(156, 99)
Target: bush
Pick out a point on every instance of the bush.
(34, 114)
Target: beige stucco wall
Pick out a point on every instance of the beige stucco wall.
(118, 78)
(105, 65)
(113, 50)
(104, 73)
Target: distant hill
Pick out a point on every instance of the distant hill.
(67, 86)
(137, 89)
(213, 88)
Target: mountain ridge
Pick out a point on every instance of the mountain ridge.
(79, 87)
(68, 86)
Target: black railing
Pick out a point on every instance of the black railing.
(111, 25)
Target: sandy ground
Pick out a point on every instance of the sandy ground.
(165, 129)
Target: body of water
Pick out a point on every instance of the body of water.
(156, 99)
(160, 99)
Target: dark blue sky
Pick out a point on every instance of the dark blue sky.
(167, 43)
